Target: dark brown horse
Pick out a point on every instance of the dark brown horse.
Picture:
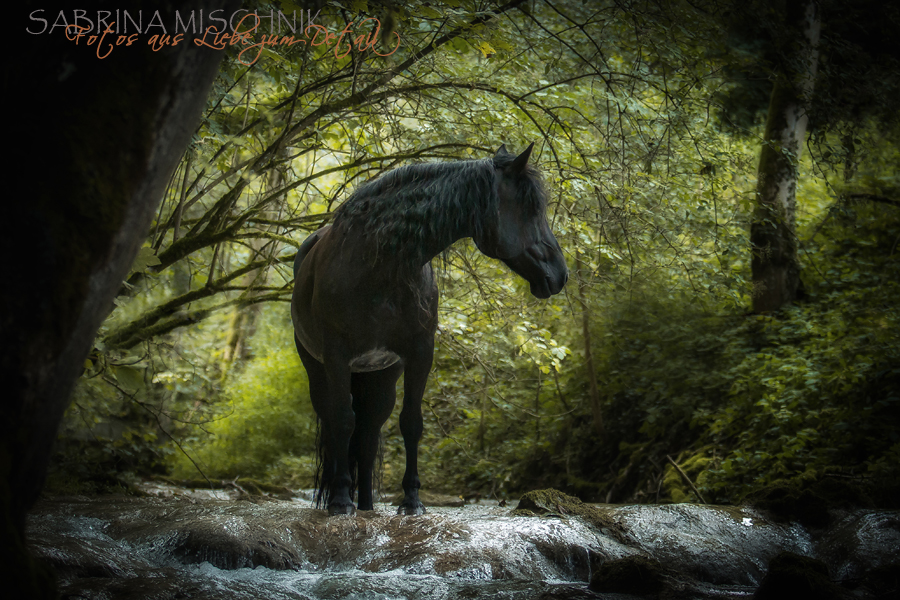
(365, 300)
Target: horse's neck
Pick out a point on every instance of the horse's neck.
(410, 216)
(444, 238)
(455, 215)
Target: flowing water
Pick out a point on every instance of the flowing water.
(190, 547)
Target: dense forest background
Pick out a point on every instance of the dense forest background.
(650, 122)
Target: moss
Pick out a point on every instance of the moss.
(549, 500)
(553, 502)
(631, 575)
(792, 576)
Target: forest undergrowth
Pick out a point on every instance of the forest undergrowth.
(737, 401)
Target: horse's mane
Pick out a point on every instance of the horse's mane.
(405, 210)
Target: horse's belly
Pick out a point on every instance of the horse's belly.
(373, 360)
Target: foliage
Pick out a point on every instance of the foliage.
(818, 389)
(651, 177)
(767, 397)
(100, 439)
(266, 421)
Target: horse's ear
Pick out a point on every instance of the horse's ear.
(501, 151)
(518, 165)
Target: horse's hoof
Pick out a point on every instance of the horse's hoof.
(341, 509)
(411, 509)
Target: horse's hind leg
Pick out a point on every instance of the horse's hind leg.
(374, 395)
(318, 394)
(338, 422)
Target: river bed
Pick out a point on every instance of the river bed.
(195, 546)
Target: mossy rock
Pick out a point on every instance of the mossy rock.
(542, 502)
(636, 575)
(551, 502)
(791, 576)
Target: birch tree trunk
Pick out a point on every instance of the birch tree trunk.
(776, 270)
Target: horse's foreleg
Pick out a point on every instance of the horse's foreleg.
(415, 377)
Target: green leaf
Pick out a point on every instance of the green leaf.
(145, 258)
(131, 379)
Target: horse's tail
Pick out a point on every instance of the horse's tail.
(322, 481)
(378, 472)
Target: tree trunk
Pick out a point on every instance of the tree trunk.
(100, 139)
(243, 319)
(776, 270)
(593, 389)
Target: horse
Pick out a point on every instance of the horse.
(365, 301)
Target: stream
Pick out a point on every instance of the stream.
(179, 544)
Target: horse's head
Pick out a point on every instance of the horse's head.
(519, 234)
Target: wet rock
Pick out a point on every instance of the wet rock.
(713, 544)
(235, 549)
(883, 582)
(855, 543)
(208, 542)
(433, 499)
(791, 576)
(630, 575)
